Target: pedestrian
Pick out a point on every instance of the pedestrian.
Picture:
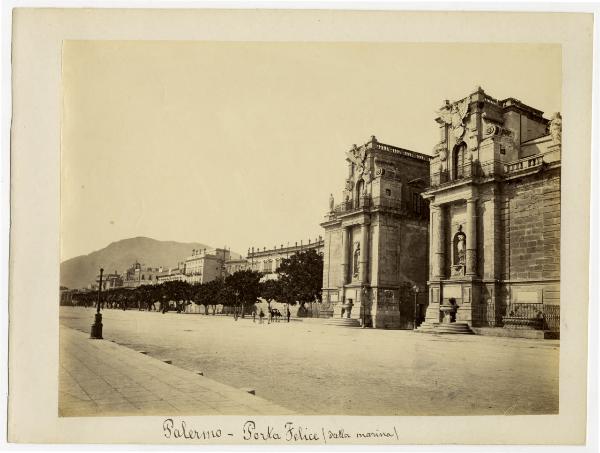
(270, 316)
(288, 314)
(254, 315)
(261, 316)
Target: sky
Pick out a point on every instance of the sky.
(240, 144)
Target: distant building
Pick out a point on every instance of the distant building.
(234, 265)
(267, 261)
(109, 281)
(171, 275)
(66, 295)
(139, 274)
(205, 265)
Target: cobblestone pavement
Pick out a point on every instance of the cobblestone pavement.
(313, 368)
(97, 377)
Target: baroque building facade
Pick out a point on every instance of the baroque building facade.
(494, 195)
(375, 241)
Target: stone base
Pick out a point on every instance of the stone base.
(517, 333)
(342, 322)
(446, 328)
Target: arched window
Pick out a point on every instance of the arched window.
(458, 161)
(360, 186)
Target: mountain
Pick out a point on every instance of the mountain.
(82, 270)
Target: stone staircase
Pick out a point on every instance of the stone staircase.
(342, 322)
(449, 328)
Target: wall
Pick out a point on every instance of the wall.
(531, 218)
(332, 258)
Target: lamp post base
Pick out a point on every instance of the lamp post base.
(96, 332)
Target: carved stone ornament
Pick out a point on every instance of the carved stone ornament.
(349, 184)
(472, 143)
(490, 129)
(442, 146)
(456, 117)
(358, 156)
(443, 155)
(555, 128)
(380, 171)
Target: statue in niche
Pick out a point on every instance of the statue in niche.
(555, 128)
(356, 258)
(331, 202)
(460, 247)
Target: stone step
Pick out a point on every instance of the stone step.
(342, 322)
(451, 328)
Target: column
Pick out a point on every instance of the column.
(345, 254)
(438, 230)
(471, 258)
(364, 253)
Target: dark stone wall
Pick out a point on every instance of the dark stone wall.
(531, 219)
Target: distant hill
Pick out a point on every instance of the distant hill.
(80, 271)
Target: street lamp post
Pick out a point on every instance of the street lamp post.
(96, 332)
(416, 291)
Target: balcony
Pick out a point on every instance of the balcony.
(478, 169)
(348, 206)
(523, 164)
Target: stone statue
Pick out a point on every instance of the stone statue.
(331, 202)
(356, 258)
(461, 246)
(556, 128)
(357, 156)
(367, 177)
(455, 117)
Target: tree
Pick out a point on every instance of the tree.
(271, 290)
(301, 277)
(245, 287)
(212, 293)
(178, 291)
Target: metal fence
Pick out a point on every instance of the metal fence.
(518, 316)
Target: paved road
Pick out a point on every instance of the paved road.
(312, 368)
(101, 378)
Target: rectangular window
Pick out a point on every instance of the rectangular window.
(416, 203)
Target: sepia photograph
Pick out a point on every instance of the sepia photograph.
(300, 227)
(309, 228)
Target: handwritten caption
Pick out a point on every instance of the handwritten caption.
(288, 432)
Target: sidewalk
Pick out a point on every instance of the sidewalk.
(99, 378)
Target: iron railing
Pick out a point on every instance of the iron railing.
(518, 316)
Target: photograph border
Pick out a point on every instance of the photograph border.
(37, 36)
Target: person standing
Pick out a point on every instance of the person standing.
(261, 316)
(288, 314)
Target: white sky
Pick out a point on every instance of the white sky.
(240, 144)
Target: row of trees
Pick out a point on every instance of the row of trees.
(299, 282)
